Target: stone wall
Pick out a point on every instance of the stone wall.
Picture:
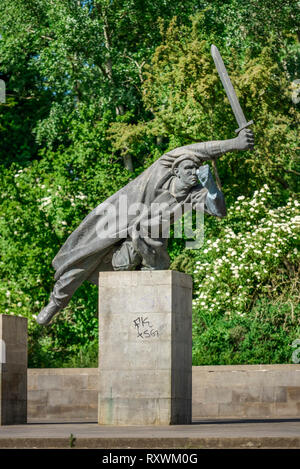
(246, 391)
(63, 393)
(241, 391)
(13, 369)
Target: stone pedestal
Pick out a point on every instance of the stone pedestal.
(13, 370)
(145, 348)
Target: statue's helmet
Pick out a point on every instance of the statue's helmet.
(185, 157)
(172, 161)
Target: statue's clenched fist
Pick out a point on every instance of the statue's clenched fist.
(245, 140)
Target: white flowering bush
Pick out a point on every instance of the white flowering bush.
(254, 240)
(246, 288)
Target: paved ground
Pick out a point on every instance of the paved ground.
(279, 433)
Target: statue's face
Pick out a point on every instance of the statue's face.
(186, 172)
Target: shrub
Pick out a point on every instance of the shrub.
(245, 283)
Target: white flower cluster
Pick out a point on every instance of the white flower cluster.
(14, 301)
(232, 268)
(48, 200)
(45, 201)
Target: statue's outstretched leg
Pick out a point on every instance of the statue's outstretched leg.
(65, 287)
(48, 312)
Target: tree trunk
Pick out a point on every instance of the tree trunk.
(120, 109)
(127, 159)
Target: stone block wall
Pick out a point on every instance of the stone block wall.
(246, 391)
(239, 391)
(63, 393)
(13, 370)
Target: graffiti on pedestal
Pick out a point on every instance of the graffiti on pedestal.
(144, 329)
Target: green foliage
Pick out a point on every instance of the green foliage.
(60, 54)
(195, 107)
(263, 336)
(40, 205)
(246, 285)
(236, 266)
(91, 83)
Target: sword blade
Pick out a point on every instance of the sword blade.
(230, 92)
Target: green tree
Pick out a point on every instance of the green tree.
(185, 96)
(61, 55)
(40, 205)
(96, 85)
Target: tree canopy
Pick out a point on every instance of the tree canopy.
(99, 89)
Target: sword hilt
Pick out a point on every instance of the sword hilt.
(244, 126)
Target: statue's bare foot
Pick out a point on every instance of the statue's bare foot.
(47, 313)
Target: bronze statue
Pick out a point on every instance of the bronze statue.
(115, 237)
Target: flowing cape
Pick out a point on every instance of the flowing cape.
(111, 221)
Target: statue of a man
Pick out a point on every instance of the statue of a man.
(114, 237)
